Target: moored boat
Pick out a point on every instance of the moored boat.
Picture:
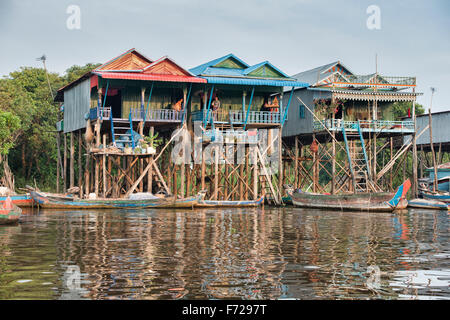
(229, 204)
(371, 202)
(9, 212)
(53, 201)
(429, 195)
(20, 200)
(427, 204)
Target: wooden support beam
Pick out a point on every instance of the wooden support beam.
(105, 186)
(296, 152)
(57, 161)
(65, 164)
(216, 173)
(80, 165)
(71, 164)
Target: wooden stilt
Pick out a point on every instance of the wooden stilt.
(80, 165)
(57, 161)
(105, 186)
(71, 163)
(65, 163)
(296, 153)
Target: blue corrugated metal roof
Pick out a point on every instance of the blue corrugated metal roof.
(255, 82)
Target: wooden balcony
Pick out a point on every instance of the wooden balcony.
(238, 118)
(379, 126)
(137, 114)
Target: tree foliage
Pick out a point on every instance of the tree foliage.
(9, 125)
(25, 96)
(400, 109)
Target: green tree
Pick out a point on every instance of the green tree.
(9, 126)
(400, 109)
(25, 94)
(75, 71)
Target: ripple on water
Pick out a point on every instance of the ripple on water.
(268, 253)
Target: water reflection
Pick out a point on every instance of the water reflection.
(215, 254)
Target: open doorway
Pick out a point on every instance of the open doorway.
(114, 101)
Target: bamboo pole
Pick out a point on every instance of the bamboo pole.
(255, 175)
(216, 173)
(71, 163)
(296, 163)
(414, 146)
(105, 186)
(57, 161)
(432, 150)
(65, 163)
(80, 165)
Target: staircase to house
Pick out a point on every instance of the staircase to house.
(357, 158)
(122, 135)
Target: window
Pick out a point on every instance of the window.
(301, 111)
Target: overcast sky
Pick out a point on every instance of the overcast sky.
(294, 35)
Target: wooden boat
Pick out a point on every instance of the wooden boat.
(368, 202)
(429, 195)
(229, 204)
(55, 201)
(20, 200)
(427, 204)
(9, 212)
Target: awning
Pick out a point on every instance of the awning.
(255, 82)
(149, 77)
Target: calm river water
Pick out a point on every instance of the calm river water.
(270, 253)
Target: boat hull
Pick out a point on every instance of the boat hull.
(437, 197)
(365, 202)
(20, 200)
(352, 202)
(61, 202)
(229, 204)
(10, 216)
(427, 204)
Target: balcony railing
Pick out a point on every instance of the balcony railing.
(137, 114)
(166, 115)
(365, 125)
(238, 117)
(95, 113)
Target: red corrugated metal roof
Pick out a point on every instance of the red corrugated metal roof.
(150, 77)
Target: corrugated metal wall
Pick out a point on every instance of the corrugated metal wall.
(296, 125)
(441, 128)
(76, 105)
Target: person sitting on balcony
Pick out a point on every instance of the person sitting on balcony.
(266, 105)
(178, 106)
(215, 104)
(271, 106)
(275, 105)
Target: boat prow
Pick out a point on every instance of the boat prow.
(9, 212)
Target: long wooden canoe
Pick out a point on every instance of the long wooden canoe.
(370, 202)
(9, 212)
(52, 201)
(435, 196)
(20, 200)
(427, 204)
(229, 204)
